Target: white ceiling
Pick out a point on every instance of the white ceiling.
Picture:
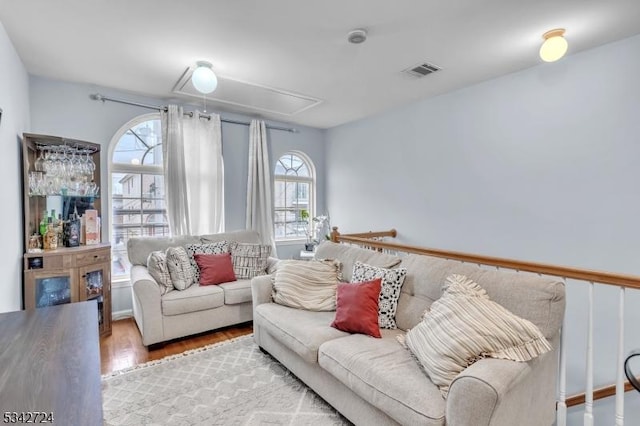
(300, 46)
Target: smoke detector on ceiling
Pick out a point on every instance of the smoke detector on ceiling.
(357, 36)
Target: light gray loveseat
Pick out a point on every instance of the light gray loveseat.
(377, 382)
(194, 310)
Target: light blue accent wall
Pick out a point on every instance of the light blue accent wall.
(14, 101)
(539, 165)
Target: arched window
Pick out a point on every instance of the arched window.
(137, 204)
(294, 202)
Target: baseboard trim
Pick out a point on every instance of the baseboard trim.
(127, 313)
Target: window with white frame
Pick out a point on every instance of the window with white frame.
(137, 188)
(294, 201)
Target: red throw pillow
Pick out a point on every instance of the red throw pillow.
(357, 307)
(215, 268)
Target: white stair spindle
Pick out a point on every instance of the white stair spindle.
(561, 414)
(588, 395)
(620, 367)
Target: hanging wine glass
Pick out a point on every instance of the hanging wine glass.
(38, 165)
(92, 166)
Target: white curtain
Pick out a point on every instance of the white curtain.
(174, 171)
(194, 172)
(259, 189)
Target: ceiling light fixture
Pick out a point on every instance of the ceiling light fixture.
(203, 78)
(554, 46)
(357, 36)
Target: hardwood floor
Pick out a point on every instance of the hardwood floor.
(124, 347)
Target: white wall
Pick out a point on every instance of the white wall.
(65, 109)
(539, 165)
(14, 101)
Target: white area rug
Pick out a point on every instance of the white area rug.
(229, 383)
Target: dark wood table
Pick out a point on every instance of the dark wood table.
(50, 363)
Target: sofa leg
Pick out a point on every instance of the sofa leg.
(155, 346)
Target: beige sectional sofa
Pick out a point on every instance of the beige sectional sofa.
(378, 382)
(194, 310)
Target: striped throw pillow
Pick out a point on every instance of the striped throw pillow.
(309, 285)
(463, 326)
(249, 260)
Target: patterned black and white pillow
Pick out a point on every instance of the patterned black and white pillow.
(249, 260)
(179, 268)
(392, 280)
(218, 247)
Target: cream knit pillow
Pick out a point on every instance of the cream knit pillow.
(464, 326)
(309, 285)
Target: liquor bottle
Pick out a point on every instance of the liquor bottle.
(43, 224)
(51, 237)
(59, 225)
(72, 231)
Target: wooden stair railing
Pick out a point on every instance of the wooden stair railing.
(372, 240)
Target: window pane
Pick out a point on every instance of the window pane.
(280, 199)
(292, 198)
(141, 144)
(303, 171)
(291, 165)
(137, 197)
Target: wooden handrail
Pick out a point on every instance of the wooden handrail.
(603, 392)
(371, 234)
(601, 277)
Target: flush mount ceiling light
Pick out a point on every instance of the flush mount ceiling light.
(203, 78)
(357, 36)
(554, 46)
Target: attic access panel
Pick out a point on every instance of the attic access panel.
(248, 95)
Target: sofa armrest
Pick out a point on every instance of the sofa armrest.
(496, 392)
(147, 305)
(261, 289)
(272, 264)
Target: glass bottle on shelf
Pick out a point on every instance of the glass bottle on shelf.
(43, 224)
(59, 229)
(51, 237)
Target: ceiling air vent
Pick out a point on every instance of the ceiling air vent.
(422, 69)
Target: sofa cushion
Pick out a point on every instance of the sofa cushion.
(159, 270)
(348, 255)
(392, 280)
(301, 331)
(219, 247)
(236, 292)
(215, 268)
(139, 248)
(240, 236)
(357, 307)
(384, 374)
(309, 285)
(249, 260)
(464, 325)
(179, 264)
(193, 299)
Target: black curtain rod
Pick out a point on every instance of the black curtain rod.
(99, 97)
